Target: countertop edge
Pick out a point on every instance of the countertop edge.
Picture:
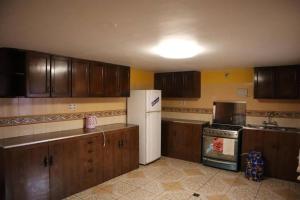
(97, 130)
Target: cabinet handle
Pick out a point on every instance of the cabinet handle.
(90, 151)
(90, 142)
(45, 161)
(104, 139)
(90, 160)
(50, 160)
(119, 143)
(90, 170)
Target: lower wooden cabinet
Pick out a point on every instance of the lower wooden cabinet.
(121, 152)
(279, 149)
(182, 140)
(26, 173)
(58, 169)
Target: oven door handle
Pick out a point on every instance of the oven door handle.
(210, 136)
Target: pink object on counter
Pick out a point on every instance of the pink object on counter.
(90, 122)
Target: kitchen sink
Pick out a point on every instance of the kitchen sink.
(273, 128)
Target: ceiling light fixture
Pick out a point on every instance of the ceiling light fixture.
(177, 48)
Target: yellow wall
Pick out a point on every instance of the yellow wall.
(141, 79)
(215, 85)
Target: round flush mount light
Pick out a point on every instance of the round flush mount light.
(177, 48)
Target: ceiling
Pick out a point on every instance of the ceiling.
(234, 33)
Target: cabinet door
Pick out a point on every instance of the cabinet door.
(191, 84)
(80, 78)
(251, 140)
(91, 161)
(37, 74)
(286, 83)
(195, 142)
(64, 169)
(164, 137)
(130, 149)
(178, 84)
(27, 175)
(177, 140)
(60, 77)
(289, 145)
(270, 152)
(111, 81)
(112, 156)
(158, 85)
(264, 82)
(97, 79)
(124, 81)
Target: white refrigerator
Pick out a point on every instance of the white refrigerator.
(144, 109)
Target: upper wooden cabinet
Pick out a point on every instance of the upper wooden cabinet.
(117, 81)
(179, 84)
(80, 78)
(60, 76)
(97, 79)
(277, 82)
(35, 74)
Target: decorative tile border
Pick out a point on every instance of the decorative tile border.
(34, 119)
(188, 110)
(249, 113)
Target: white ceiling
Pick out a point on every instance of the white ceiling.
(235, 33)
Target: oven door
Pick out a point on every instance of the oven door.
(220, 148)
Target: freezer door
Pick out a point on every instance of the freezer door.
(153, 100)
(153, 136)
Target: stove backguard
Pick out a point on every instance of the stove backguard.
(233, 113)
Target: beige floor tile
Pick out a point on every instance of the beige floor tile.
(172, 179)
(154, 187)
(218, 197)
(139, 194)
(175, 195)
(193, 171)
(117, 189)
(172, 186)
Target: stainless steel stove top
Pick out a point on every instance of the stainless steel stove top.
(222, 130)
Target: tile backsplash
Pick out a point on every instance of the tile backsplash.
(24, 116)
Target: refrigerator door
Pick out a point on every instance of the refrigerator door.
(153, 136)
(153, 100)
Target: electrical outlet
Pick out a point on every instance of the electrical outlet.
(72, 107)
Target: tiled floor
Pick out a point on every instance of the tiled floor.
(172, 179)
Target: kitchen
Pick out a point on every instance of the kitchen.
(48, 90)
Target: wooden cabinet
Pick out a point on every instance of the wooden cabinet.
(276, 82)
(279, 150)
(182, 140)
(286, 83)
(64, 168)
(37, 74)
(58, 169)
(60, 76)
(178, 84)
(91, 159)
(80, 78)
(117, 81)
(121, 152)
(26, 173)
(124, 81)
(97, 79)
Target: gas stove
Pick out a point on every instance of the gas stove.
(223, 130)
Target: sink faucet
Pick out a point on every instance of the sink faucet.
(270, 121)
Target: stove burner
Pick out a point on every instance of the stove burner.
(226, 127)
